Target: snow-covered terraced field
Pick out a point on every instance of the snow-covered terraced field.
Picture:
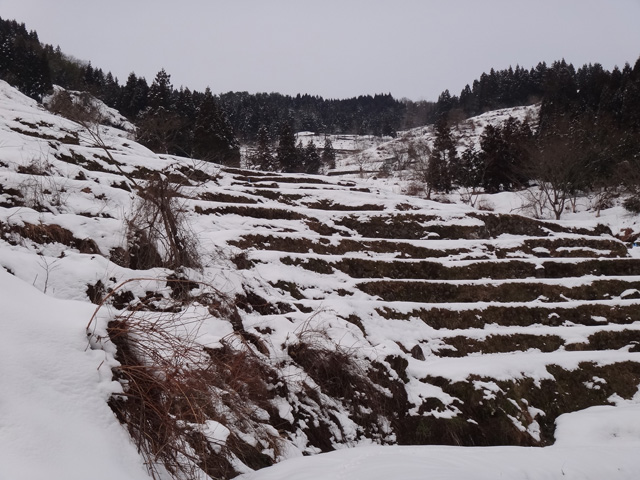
(369, 316)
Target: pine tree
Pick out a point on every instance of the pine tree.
(158, 124)
(493, 154)
(287, 153)
(328, 154)
(213, 138)
(312, 162)
(133, 96)
(505, 153)
(471, 170)
(263, 157)
(444, 164)
(161, 91)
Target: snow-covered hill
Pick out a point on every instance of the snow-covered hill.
(319, 313)
(368, 159)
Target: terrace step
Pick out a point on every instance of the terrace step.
(573, 246)
(522, 315)
(505, 291)
(466, 270)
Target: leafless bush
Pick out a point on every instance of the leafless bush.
(158, 233)
(470, 195)
(534, 202)
(485, 205)
(363, 162)
(415, 189)
(188, 407)
(80, 107)
(603, 197)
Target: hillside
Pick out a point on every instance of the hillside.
(280, 316)
(392, 155)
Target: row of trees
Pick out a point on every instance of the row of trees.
(185, 122)
(379, 115)
(586, 142)
(23, 62)
(287, 156)
(588, 87)
(500, 163)
(170, 121)
(595, 110)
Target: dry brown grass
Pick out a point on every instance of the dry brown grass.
(175, 390)
(50, 233)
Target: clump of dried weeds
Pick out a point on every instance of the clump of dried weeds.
(189, 407)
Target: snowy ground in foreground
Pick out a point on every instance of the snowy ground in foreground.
(597, 443)
(55, 423)
(457, 463)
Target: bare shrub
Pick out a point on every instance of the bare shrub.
(470, 195)
(534, 202)
(604, 197)
(414, 189)
(157, 230)
(188, 407)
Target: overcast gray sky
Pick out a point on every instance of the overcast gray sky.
(332, 48)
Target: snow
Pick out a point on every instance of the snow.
(591, 462)
(54, 419)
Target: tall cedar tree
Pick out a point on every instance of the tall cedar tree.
(159, 125)
(312, 161)
(287, 153)
(471, 171)
(213, 138)
(263, 157)
(505, 151)
(328, 154)
(161, 91)
(443, 164)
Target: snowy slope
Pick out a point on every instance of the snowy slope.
(434, 314)
(391, 154)
(54, 419)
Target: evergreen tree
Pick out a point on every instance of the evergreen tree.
(492, 152)
(301, 160)
(471, 172)
(328, 157)
(287, 153)
(161, 91)
(312, 162)
(186, 109)
(263, 157)
(111, 90)
(158, 130)
(133, 96)
(213, 139)
(159, 125)
(443, 165)
(505, 152)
